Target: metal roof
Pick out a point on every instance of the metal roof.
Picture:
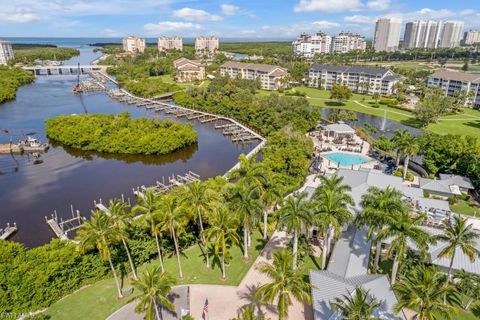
(457, 76)
(460, 181)
(372, 71)
(328, 286)
(340, 128)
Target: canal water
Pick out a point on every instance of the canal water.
(66, 176)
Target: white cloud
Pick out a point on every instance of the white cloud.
(195, 15)
(229, 9)
(328, 5)
(326, 24)
(19, 17)
(111, 33)
(359, 19)
(378, 4)
(166, 26)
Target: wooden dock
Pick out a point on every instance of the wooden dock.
(61, 227)
(8, 231)
(172, 182)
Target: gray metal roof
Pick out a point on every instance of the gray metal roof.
(460, 181)
(328, 286)
(350, 254)
(340, 128)
(460, 261)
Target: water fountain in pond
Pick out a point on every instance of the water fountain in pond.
(384, 121)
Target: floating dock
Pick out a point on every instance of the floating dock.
(172, 182)
(61, 227)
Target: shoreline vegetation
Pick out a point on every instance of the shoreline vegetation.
(10, 80)
(28, 54)
(120, 133)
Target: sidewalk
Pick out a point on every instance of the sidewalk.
(224, 301)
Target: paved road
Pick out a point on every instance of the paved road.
(179, 296)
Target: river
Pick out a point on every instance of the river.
(29, 191)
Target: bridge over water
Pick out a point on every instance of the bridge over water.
(65, 69)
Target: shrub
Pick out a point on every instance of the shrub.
(426, 194)
(452, 200)
(399, 173)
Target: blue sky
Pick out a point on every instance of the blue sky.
(226, 18)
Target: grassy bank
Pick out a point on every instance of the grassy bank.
(99, 300)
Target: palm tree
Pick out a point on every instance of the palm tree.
(223, 230)
(427, 291)
(154, 286)
(402, 227)
(399, 140)
(147, 205)
(458, 235)
(331, 211)
(410, 149)
(468, 284)
(122, 217)
(249, 172)
(270, 195)
(247, 312)
(199, 197)
(286, 284)
(356, 306)
(377, 205)
(98, 232)
(244, 202)
(174, 218)
(295, 216)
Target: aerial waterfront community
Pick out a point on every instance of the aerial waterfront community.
(330, 174)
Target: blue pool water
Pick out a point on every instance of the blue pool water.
(346, 159)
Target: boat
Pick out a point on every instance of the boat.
(33, 144)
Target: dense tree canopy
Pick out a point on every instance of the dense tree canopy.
(30, 55)
(120, 134)
(10, 80)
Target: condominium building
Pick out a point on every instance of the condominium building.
(271, 77)
(348, 41)
(472, 37)
(308, 46)
(422, 34)
(6, 52)
(387, 34)
(133, 44)
(451, 34)
(453, 82)
(206, 45)
(188, 70)
(357, 78)
(170, 43)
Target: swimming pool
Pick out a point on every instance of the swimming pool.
(346, 159)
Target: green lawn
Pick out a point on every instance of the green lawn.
(99, 300)
(168, 78)
(466, 208)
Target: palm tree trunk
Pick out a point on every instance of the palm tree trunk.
(451, 267)
(265, 226)
(206, 256)
(130, 260)
(224, 274)
(377, 255)
(159, 253)
(394, 270)
(157, 313)
(405, 166)
(200, 223)
(120, 295)
(324, 251)
(245, 244)
(295, 248)
(180, 272)
(249, 238)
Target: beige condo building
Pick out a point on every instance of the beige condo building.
(133, 44)
(170, 43)
(206, 45)
(387, 34)
(271, 77)
(188, 70)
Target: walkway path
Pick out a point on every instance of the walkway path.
(224, 301)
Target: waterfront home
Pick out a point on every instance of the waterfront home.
(454, 82)
(271, 77)
(133, 44)
(449, 185)
(362, 79)
(188, 70)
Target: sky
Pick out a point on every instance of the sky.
(268, 19)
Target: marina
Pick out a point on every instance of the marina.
(8, 231)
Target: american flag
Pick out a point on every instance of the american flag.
(205, 306)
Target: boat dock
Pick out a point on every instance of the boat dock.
(172, 182)
(61, 227)
(237, 132)
(8, 231)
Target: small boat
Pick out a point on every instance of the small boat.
(33, 144)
